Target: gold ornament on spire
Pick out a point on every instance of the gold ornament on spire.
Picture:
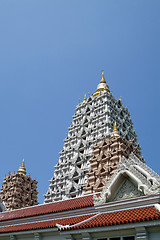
(103, 79)
(102, 86)
(115, 127)
(22, 169)
(85, 98)
(115, 132)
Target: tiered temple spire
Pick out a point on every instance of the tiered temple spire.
(106, 157)
(19, 190)
(94, 118)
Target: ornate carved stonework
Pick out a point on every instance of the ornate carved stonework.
(93, 119)
(2, 206)
(19, 191)
(145, 180)
(106, 157)
(127, 190)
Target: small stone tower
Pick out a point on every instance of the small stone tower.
(106, 157)
(19, 190)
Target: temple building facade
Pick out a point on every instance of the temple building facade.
(93, 119)
(102, 188)
(127, 207)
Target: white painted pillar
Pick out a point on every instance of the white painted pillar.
(37, 236)
(141, 233)
(69, 237)
(86, 236)
(12, 237)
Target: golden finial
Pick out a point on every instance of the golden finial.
(22, 169)
(115, 132)
(102, 86)
(103, 79)
(84, 98)
(115, 127)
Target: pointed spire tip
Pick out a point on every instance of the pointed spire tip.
(103, 79)
(115, 127)
(115, 132)
(22, 169)
(85, 98)
(102, 86)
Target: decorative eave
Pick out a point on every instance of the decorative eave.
(115, 218)
(89, 221)
(49, 208)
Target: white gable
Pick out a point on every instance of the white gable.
(127, 190)
(132, 179)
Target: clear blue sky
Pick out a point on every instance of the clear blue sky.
(52, 53)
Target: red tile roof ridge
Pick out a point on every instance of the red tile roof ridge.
(44, 204)
(157, 206)
(87, 195)
(131, 208)
(120, 217)
(42, 224)
(59, 206)
(54, 219)
(87, 221)
(62, 227)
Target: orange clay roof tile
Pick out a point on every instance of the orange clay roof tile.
(71, 204)
(91, 221)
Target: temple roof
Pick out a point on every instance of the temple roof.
(117, 218)
(90, 221)
(61, 206)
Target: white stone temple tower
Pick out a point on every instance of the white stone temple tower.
(93, 119)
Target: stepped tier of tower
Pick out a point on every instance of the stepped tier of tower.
(105, 159)
(93, 119)
(19, 190)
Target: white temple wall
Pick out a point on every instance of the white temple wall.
(154, 235)
(139, 234)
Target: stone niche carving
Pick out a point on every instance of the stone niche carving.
(127, 190)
